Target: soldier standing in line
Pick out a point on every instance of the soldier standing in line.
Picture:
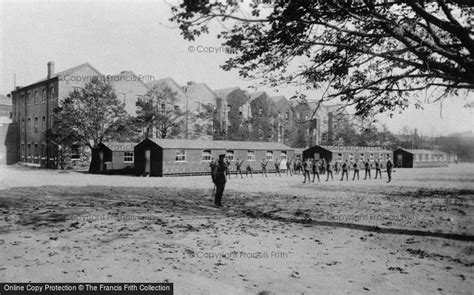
(249, 169)
(213, 166)
(238, 167)
(345, 170)
(227, 164)
(289, 165)
(220, 179)
(356, 170)
(323, 166)
(329, 171)
(336, 167)
(264, 167)
(315, 166)
(367, 169)
(389, 170)
(306, 166)
(277, 167)
(378, 169)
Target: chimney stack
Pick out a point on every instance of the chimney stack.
(50, 69)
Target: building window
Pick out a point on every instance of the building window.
(206, 155)
(36, 97)
(36, 124)
(51, 121)
(287, 116)
(29, 150)
(22, 127)
(229, 155)
(43, 123)
(43, 95)
(250, 156)
(260, 134)
(180, 156)
(269, 156)
(128, 157)
(29, 124)
(23, 102)
(28, 98)
(52, 95)
(283, 155)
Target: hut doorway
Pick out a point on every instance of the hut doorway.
(147, 162)
(399, 160)
(101, 157)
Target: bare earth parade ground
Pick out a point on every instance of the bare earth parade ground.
(274, 235)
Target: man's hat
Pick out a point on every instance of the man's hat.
(221, 157)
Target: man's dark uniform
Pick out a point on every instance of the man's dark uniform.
(345, 171)
(378, 169)
(389, 170)
(356, 171)
(367, 169)
(227, 164)
(220, 179)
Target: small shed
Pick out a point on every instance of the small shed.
(410, 158)
(351, 153)
(160, 157)
(112, 157)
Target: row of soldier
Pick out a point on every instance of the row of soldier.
(313, 166)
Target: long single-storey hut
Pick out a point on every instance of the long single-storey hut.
(412, 158)
(112, 157)
(161, 157)
(350, 153)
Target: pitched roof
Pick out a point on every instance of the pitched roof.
(224, 92)
(354, 149)
(120, 146)
(4, 100)
(69, 72)
(168, 81)
(129, 75)
(199, 91)
(218, 144)
(422, 151)
(257, 94)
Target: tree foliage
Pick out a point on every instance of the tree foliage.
(376, 55)
(158, 112)
(89, 116)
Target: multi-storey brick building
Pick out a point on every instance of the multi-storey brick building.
(33, 107)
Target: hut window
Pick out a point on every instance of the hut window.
(229, 155)
(339, 157)
(250, 156)
(180, 155)
(128, 157)
(371, 157)
(283, 155)
(427, 157)
(206, 155)
(351, 157)
(362, 157)
(432, 157)
(287, 116)
(269, 156)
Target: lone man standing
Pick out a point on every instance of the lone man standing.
(306, 164)
(220, 179)
(277, 167)
(356, 170)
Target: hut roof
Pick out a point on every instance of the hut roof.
(354, 149)
(421, 151)
(218, 144)
(120, 146)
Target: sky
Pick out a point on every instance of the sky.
(137, 36)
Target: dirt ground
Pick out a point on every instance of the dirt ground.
(274, 235)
